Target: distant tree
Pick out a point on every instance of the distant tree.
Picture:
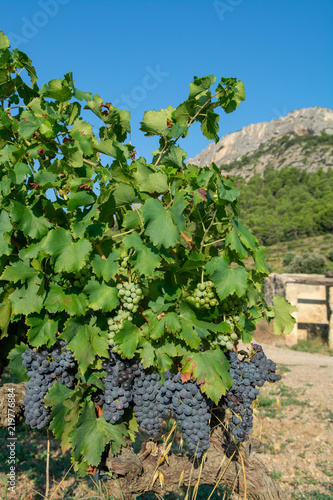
(307, 263)
(288, 258)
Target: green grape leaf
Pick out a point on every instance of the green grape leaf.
(57, 89)
(156, 122)
(27, 220)
(146, 258)
(29, 123)
(149, 180)
(5, 229)
(19, 271)
(5, 313)
(106, 268)
(175, 157)
(42, 331)
(193, 330)
(85, 340)
(147, 354)
(4, 41)
(101, 296)
(91, 434)
(160, 226)
(199, 86)
(210, 369)
(226, 190)
(60, 299)
(27, 299)
(15, 364)
(128, 338)
(80, 199)
(234, 243)
(65, 406)
(210, 125)
(164, 362)
(66, 255)
(177, 208)
(227, 280)
(283, 320)
(259, 258)
(172, 322)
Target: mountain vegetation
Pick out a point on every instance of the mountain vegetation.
(288, 203)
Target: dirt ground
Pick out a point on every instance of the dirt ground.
(294, 420)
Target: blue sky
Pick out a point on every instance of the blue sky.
(143, 54)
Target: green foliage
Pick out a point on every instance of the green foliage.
(288, 258)
(307, 263)
(112, 219)
(289, 203)
(330, 255)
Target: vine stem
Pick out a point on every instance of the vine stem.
(47, 485)
(206, 231)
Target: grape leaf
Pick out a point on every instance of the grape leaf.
(5, 313)
(156, 122)
(178, 206)
(29, 221)
(199, 86)
(160, 226)
(147, 354)
(211, 371)
(59, 299)
(65, 412)
(85, 340)
(128, 338)
(259, 257)
(19, 271)
(91, 434)
(27, 299)
(5, 229)
(149, 180)
(283, 320)
(146, 258)
(66, 255)
(227, 280)
(106, 268)
(15, 365)
(43, 330)
(101, 296)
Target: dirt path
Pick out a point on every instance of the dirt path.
(294, 421)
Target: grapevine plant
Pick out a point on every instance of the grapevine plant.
(111, 263)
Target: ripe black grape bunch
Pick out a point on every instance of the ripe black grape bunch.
(45, 368)
(204, 296)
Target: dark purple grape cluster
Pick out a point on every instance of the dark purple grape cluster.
(247, 374)
(44, 369)
(153, 404)
(149, 407)
(118, 392)
(192, 411)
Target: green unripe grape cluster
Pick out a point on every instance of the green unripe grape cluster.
(124, 261)
(204, 296)
(130, 295)
(226, 340)
(81, 277)
(116, 323)
(233, 305)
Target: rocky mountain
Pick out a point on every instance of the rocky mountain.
(303, 138)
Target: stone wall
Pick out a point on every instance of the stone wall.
(312, 294)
